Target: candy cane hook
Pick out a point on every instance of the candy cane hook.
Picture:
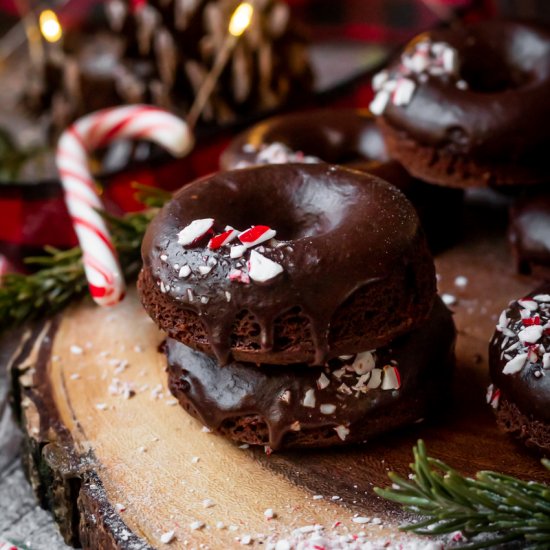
(92, 132)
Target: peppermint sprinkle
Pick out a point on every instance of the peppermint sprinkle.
(542, 298)
(323, 381)
(515, 364)
(448, 299)
(222, 239)
(205, 269)
(342, 431)
(375, 379)
(378, 105)
(184, 271)
(531, 334)
(529, 304)
(309, 399)
(363, 363)
(461, 281)
(403, 92)
(546, 361)
(269, 513)
(327, 408)
(262, 269)
(360, 519)
(76, 350)
(196, 525)
(256, 234)
(392, 379)
(194, 231)
(493, 396)
(168, 537)
(237, 251)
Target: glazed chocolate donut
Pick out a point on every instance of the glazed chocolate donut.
(352, 138)
(468, 106)
(350, 269)
(347, 402)
(519, 359)
(338, 136)
(529, 231)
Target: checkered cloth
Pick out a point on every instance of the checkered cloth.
(35, 215)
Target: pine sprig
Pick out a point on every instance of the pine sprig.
(491, 509)
(59, 274)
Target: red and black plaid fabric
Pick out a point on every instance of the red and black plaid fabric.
(32, 216)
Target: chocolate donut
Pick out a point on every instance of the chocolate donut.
(338, 136)
(529, 231)
(350, 269)
(352, 138)
(468, 106)
(348, 401)
(519, 361)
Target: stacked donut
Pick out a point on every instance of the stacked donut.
(349, 137)
(299, 303)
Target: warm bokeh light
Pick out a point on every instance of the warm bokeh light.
(240, 20)
(50, 26)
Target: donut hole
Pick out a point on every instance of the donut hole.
(316, 205)
(485, 77)
(503, 58)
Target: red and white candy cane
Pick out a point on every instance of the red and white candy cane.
(92, 132)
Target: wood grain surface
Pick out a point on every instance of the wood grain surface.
(120, 472)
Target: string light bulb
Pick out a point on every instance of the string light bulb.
(241, 18)
(49, 26)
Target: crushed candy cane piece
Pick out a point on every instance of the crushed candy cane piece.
(222, 239)
(237, 251)
(364, 362)
(239, 275)
(342, 431)
(262, 269)
(309, 399)
(327, 408)
(193, 232)
(168, 537)
(529, 304)
(375, 379)
(392, 379)
(516, 364)
(256, 234)
(323, 381)
(184, 271)
(531, 334)
(542, 298)
(403, 92)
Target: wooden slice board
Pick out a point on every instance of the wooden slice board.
(90, 451)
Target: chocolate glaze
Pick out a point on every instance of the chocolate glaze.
(351, 137)
(337, 230)
(337, 136)
(529, 388)
(529, 231)
(424, 358)
(504, 114)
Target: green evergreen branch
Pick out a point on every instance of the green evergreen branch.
(489, 510)
(59, 276)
